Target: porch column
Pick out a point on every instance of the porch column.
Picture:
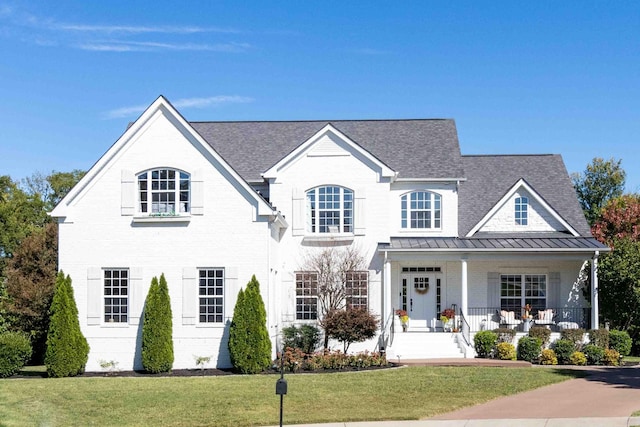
(386, 293)
(463, 296)
(594, 292)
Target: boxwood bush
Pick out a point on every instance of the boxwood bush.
(505, 335)
(564, 348)
(594, 354)
(15, 351)
(620, 341)
(599, 337)
(529, 348)
(305, 338)
(485, 343)
(576, 336)
(542, 333)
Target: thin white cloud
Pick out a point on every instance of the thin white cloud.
(184, 103)
(131, 46)
(139, 29)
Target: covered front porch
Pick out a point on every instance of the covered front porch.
(516, 283)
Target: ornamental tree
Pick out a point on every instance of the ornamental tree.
(157, 328)
(67, 349)
(620, 218)
(350, 325)
(249, 342)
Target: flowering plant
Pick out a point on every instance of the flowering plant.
(527, 310)
(449, 313)
(402, 315)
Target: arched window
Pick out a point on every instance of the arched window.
(522, 210)
(164, 191)
(421, 210)
(330, 210)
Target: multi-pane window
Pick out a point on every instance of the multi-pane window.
(116, 295)
(211, 295)
(164, 191)
(421, 209)
(518, 290)
(306, 295)
(330, 210)
(356, 289)
(522, 210)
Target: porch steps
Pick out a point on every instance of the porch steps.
(424, 345)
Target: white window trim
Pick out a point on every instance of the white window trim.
(199, 323)
(408, 228)
(523, 296)
(317, 235)
(527, 205)
(141, 216)
(103, 322)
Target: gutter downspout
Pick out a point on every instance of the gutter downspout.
(595, 309)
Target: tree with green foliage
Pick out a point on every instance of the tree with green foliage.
(52, 188)
(619, 218)
(603, 180)
(249, 342)
(31, 277)
(157, 328)
(350, 325)
(15, 351)
(67, 348)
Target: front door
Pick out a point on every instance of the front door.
(419, 297)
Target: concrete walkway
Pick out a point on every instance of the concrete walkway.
(605, 398)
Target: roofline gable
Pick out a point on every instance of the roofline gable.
(306, 146)
(522, 183)
(161, 104)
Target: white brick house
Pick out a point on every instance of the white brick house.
(210, 204)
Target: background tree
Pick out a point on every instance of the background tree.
(67, 349)
(619, 218)
(333, 266)
(602, 180)
(350, 325)
(249, 342)
(157, 328)
(31, 276)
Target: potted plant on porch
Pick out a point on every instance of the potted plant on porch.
(447, 317)
(404, 319)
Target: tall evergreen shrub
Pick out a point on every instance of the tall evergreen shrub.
(67, 349)
(249, 342)
(157, 333)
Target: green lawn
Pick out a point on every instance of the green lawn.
(406, 393)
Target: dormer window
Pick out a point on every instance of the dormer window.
(329, 210)
(522, 210)
(164, 192)
(421, 210)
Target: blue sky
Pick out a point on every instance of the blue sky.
(518, 77)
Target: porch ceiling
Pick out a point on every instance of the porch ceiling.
(494, 244)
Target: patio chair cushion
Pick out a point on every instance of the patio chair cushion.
(546, 315)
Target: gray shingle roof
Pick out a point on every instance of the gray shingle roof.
(520, 244)
(413, 148)
(490, 177)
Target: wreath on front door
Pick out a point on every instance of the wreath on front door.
(421, 290)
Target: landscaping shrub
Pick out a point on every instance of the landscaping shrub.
(67, 349)
(157, 328)
(15, 351)
(485, 343)
(620, 341)
(564, 348)
(611, 357)
(505, 335)
(594, 354)
(578, 358)
(542, 333)
(305, 338)
(249, 342)
(350, 325)
(599, 337)
(548, 357)
(576, 336)
(529, 348)
(330, 360)
(505, 351)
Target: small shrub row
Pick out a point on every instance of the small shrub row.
(295, 360)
